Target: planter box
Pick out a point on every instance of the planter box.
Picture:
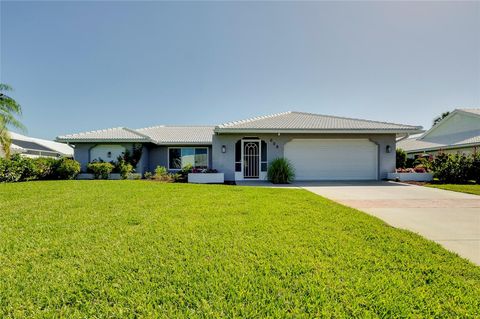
(85, 176)
(206, 178)
(114, 176)
(415, 177)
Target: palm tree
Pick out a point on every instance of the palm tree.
(10, 110)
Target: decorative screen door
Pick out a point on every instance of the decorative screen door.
(251, 159)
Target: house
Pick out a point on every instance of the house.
(320, 147)
(36, 147)
(459, 132)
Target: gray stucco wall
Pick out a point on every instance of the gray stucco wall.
(152, 155)
(158, 155)
(81, 154)
(225, 162)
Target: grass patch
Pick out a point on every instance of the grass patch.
(81, 249)
(469, 189)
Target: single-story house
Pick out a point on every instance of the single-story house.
(320, 147)
(459, 132)
(36, 147)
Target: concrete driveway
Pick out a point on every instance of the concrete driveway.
(449, 218)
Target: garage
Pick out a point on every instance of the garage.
(333, 159)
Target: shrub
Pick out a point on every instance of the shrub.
(100, 170)
(19, 169)
(162, 174)
(123, 167)
(452, 168)
(45, 167)
(161, 171)
(11, 169)
(66, 168)
(474, 172)
(148, 175)
(401, 158)
(280, 171)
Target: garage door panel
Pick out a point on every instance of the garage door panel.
(328, 159)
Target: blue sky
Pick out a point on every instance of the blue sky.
(79, 66)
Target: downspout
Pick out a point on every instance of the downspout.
(407, 135)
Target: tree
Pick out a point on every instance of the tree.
(10, 110)
(440, 118)
(401, 158)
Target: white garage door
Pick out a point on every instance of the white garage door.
(333, 159)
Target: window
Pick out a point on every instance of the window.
(263, 163)
(179, 157)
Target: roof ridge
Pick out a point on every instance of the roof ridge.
(174, 126)
(94, 131)
(352, 118)
(226, 124)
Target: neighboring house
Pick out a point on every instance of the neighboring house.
(320, 147)
(36, 147)
(459, 132)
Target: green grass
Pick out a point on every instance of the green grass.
(81, 249)
(470, 189)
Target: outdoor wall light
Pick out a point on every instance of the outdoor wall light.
(224, 149)
(388, 149)
(109, 154)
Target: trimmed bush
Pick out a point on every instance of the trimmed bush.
(67, 168)
(20, 169)
(280, 171)
(100, 170)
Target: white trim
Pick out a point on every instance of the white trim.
(332, 131)
(182, 147)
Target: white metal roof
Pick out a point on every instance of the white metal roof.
(179, 134)
(60, 148)
(118, 134)
(300, 121)
(470, 138)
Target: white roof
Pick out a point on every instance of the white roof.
(179, 134)
(457, 140)
(300, 121)
(473, 111)
(118, 134)
(427, 142)
(288, 121)
(61, 148)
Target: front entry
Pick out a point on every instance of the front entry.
(251, 159)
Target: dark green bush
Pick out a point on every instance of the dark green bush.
(46, 167)
(20, 169)
(454, 168)
(280, 171)
(100, 169)
(401, 158)
(475, 168)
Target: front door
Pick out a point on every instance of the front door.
(251, 159)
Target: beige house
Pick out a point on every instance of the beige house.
(458, 133)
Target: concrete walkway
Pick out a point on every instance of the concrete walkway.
(449, 218)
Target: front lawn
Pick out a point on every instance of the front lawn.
(80, 249)
(470, 189)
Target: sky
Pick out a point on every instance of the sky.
(80, 66)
